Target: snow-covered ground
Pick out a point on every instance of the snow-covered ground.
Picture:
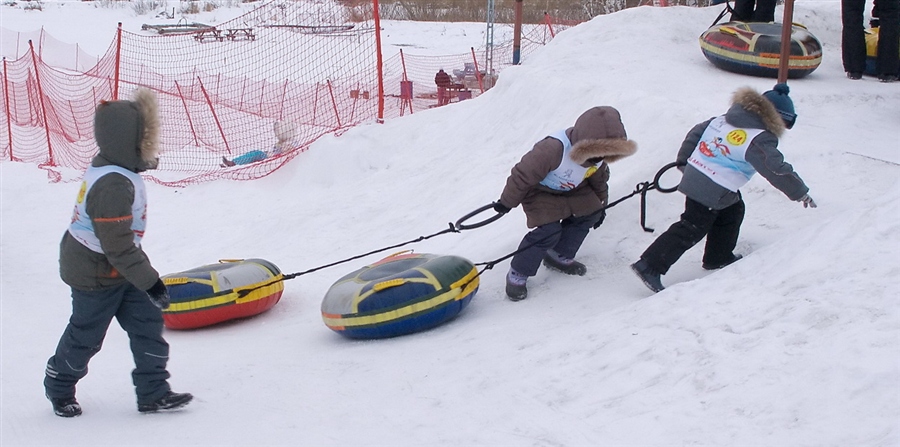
(798, 344)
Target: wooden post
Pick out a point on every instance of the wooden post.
(787, 26)
(517, 34)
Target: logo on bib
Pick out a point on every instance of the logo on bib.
(736, 137)
(81, 193)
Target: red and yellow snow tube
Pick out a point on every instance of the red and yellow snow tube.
(221, 292)
(755, 49)
(399, 295)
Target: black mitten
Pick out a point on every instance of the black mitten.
(501, 208)
(600, 220)
(159, 295)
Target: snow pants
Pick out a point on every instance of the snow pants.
(249, 157)
(92, 312)
(720, 227)
(853, 40)
(563, 237)
(754, 10)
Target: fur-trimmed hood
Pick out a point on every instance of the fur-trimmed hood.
(127, 132)
(754, 102)
(599, 132)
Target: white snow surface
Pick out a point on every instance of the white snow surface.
(798, 344)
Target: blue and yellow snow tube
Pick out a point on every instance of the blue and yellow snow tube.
(755, 49)
(215, 293)
(399, 295)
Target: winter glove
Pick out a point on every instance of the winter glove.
(501, 208)
(159, 295)
(601, 219)
(807, 201)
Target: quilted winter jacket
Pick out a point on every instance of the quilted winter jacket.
(753, 111)
(598, 132)
(127, 134)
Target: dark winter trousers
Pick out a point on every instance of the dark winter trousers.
(92, 312)
(563, 237)
(853, 39)
(754, 11)
(721, 228)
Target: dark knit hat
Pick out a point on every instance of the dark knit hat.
(778, 96)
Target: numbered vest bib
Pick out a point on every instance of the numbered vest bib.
(81, 227)
(569, 174)
(720, 154)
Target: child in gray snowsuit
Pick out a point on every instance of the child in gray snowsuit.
(102, 261)
(721, 154)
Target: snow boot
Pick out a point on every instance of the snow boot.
(718, 266)
(555, 261)
(648, 275)
(170, 401)
(515, 286)
(66, 407)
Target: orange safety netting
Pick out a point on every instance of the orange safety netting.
(302, 68)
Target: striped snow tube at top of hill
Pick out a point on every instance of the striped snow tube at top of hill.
(755, 49)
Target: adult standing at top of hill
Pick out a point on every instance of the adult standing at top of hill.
(853, 39)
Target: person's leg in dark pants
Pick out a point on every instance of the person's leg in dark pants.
(574, 231)
(723, 235)
(853, 40)
(742, 10)
(765, 11)
(888, 62)
(543, 237)
(695, 223)
(144, 324)
(92, 311)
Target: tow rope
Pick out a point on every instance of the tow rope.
(642, 188)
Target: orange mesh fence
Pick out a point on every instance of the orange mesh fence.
(267, 83)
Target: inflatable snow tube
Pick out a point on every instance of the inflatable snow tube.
(399, 295)
(215, 293)
(755, 49)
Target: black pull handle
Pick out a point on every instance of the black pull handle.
(490, 206)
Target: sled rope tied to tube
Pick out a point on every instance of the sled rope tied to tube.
(451, 229)
(642, 188)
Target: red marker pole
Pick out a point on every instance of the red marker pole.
(787, 27)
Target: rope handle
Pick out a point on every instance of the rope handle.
(661, 172)
(459, 223)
